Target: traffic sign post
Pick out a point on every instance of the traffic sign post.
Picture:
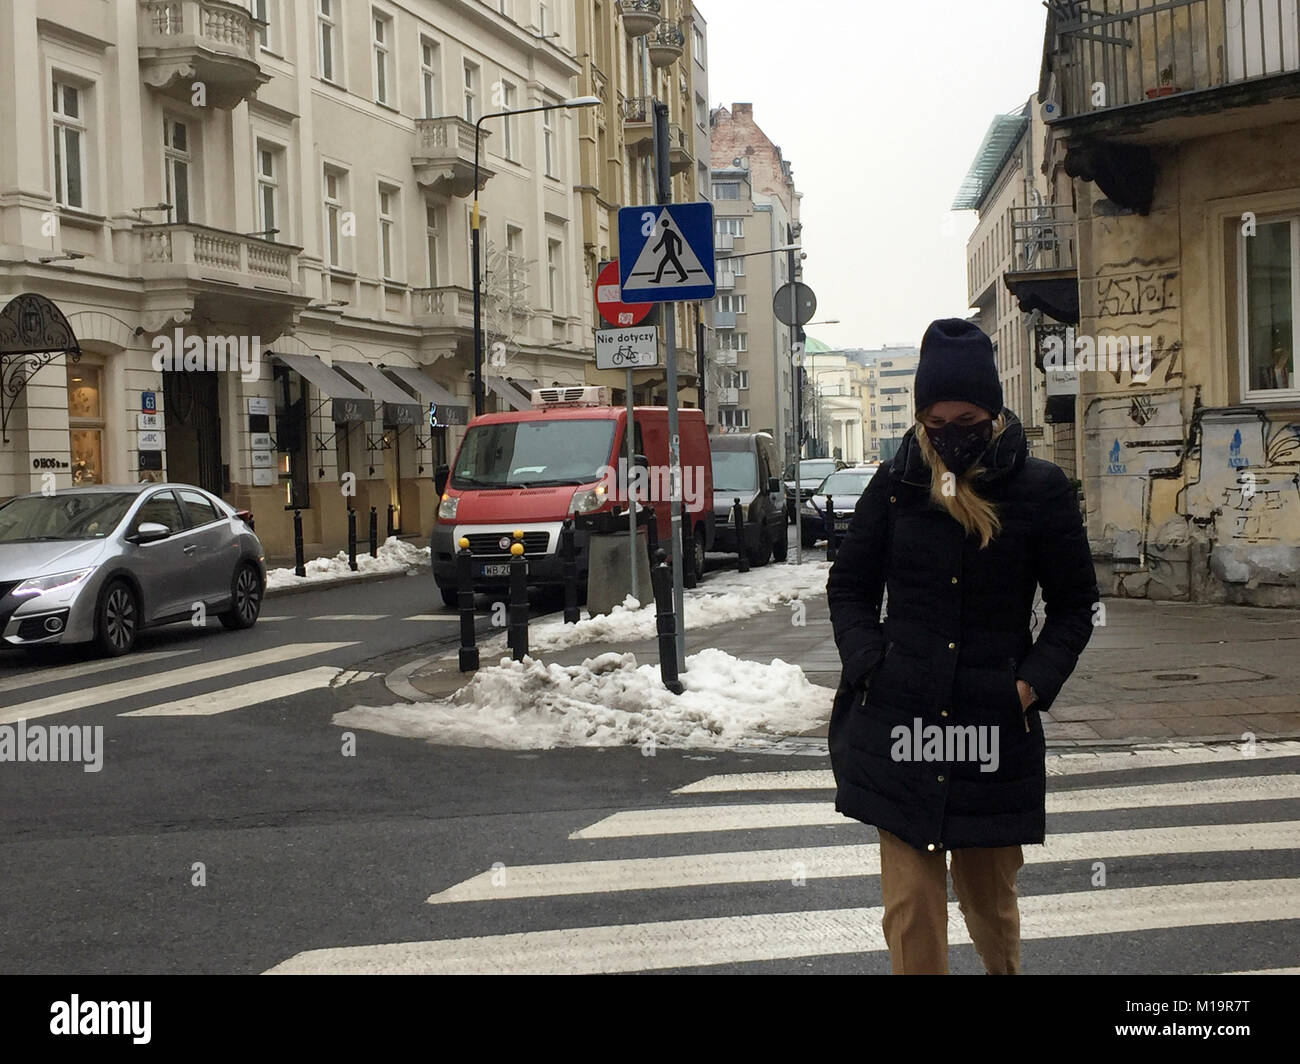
(794, 305)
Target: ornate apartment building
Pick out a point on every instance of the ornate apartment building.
(278, 193)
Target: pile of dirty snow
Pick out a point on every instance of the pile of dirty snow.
(609, 700)
(394, 556)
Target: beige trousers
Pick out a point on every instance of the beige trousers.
(914, 885)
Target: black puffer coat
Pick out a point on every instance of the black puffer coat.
(956, 639)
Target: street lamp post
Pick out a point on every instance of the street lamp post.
(475, 237)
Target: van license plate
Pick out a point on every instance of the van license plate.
(496, 570)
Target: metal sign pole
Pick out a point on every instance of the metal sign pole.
(797, 373)
(675, 482)
(631, 507)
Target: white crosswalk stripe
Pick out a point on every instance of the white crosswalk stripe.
(86, 697)
(1067, 858)
(32, 677)
(241, 696)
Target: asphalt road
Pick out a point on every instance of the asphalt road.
(304, 851)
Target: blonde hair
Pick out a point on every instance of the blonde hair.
(968, 508)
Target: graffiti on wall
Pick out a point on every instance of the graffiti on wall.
(1132, 294)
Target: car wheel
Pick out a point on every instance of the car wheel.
(117, 619)
(781, 545)
(761, 554)
(808, 539)
(450, 597)
(246, 598)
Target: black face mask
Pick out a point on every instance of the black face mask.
(960, 446)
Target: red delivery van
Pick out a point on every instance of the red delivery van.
(567, 455)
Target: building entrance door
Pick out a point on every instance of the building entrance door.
(193, 425)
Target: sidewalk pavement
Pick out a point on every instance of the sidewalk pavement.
(1153, 671)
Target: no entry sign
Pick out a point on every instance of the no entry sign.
(609, 303)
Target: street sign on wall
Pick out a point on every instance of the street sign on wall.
(627, 348)
(665, 252)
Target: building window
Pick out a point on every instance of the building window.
(176, 169)
(731, 340)
(334, 211)
(85, 425)
(471, 91)
(554, 275)
(262, 12)
(268, 191)
(737, 378)
(432, 242)
(731, 304)
(69, 141)
(382, 29)
(733, 417)
(388, 199)
(726, 190)
(509, 138)
(543, 18)
(697, 40)
(728, 226)
(701, 112)
(548, 143)
(429, 77)
(1269, 271)
(514, 250)
(326, 33)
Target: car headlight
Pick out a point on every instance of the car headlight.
(588, 500)
(448, 507)
(43, 585)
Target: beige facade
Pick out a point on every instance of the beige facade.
(301, 184)
(841, 399)
(1187, 176)
(635, 52)
(756, 210)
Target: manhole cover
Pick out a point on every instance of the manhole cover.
(1147, 679)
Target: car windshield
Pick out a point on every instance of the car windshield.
(844, 483)
(734, 471)
(530, 454)
(815, 470)
(68, 516)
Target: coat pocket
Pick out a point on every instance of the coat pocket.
(870, 678)
(1021, 714)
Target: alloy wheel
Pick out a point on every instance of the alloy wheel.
(119, 617)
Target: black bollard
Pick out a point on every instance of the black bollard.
(830, 529)
(738, 519)
(465, 603)
(298, 568)
(517, 624)
(391, 529)
(652, 533)
(374, 533)
(569, 571)
(661, 579)
(352, 539)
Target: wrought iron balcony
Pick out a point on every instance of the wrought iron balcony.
(680, 158)
(640, 16)
(1114, 54)
(443, 156)
(1044, 272)
(446, 308)
(666, 43)
(187, 43)
(638, 124)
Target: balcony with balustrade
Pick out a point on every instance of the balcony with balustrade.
(728, 396)
(188, 45)
(666, 44)
(443, 156)
(640, 16)
(680, 157)
(639, 124)
(447, 311)
(1044, 274)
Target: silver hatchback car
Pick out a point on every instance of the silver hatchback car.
(99, 564)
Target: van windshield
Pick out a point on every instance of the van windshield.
(734, 471)
(531, 454)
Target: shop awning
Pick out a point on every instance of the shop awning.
(446, 407)
(511, 395)
(398, 407)
(348, 402)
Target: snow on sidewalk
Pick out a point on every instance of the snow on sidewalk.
(394, 556)
(610, 700)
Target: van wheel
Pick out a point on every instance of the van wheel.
(245, 599)
(450, 596)
(763, 552)
(117, 619)
(781, 545)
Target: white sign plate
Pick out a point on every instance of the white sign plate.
(261, 441)
(144, 422)
(627, 348)
(262, 460)
(263, 478)
(150, 441)
(259, 404)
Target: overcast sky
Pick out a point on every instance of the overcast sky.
(880, 107)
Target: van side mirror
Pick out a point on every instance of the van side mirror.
(774, 485)
(440, 476)
(641, 461)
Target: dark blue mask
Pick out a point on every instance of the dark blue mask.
(960, 446)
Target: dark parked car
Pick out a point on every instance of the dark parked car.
(99, 564)
(744, 468)
(812, 471)
(845, 487)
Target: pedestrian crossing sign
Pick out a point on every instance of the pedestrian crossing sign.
(665, 252)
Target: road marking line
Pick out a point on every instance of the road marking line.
(265, 620)
(97, 696)
(703, 818)
(349, 617)
(1269, 971)
(781, 936)
(1070, 764)
(88, 668)
(837, 862)
(242, 696)
(434, 617)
